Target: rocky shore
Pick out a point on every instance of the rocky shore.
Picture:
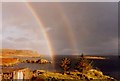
(40, 61)
(91, 75)
(5, 62)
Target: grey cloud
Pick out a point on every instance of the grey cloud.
(93, 25)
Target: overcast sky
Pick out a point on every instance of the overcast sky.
(72, 27)
(0, 25)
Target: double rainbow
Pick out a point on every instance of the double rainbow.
(46, 35)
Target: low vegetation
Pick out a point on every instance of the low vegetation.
(91, 75)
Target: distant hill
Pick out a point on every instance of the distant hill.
(8, 61)
(7, 53)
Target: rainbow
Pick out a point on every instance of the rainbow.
(68, 27)
(42, 27)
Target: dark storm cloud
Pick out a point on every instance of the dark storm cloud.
(94, 25)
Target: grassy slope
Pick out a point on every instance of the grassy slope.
(8, 61)
(18, 53)
(75, 76)
(10, 56)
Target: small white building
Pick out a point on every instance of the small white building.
(16, 73)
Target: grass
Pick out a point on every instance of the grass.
(91, 75)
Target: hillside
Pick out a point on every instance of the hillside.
(10, 56)
(8, 61)
(8, 53)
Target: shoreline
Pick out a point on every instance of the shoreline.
(95, 57)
